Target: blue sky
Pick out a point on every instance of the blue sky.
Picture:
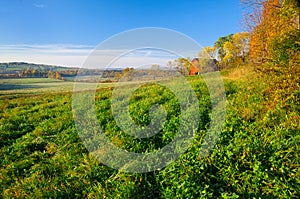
(36, 25)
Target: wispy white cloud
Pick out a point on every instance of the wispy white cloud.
(57, 54)
(39, 5)
(82, 55)
(148, 53)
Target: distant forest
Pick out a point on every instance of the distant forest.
(155, 72)
(30, 70)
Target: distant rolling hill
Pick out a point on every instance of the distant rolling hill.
(14, 67)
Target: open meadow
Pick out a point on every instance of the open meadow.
(41, 155)
(150, 99)
(38, 86)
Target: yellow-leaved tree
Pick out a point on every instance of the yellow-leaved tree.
(234, 49)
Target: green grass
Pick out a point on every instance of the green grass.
(39, 86)
(257, 155)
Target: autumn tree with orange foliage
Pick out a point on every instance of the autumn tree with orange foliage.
(275, 46)
(274, 26)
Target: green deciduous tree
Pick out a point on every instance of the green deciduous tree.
(232, 49)
(219, 45)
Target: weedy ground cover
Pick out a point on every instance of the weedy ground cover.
(257, 154)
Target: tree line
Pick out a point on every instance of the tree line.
(271, 39)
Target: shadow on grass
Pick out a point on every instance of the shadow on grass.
(17, 86)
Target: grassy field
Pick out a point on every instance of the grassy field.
(257, 155)
(40, 86)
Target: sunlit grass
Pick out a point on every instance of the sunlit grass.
(42, 155)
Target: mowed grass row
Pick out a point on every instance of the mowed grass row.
(257, 154)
